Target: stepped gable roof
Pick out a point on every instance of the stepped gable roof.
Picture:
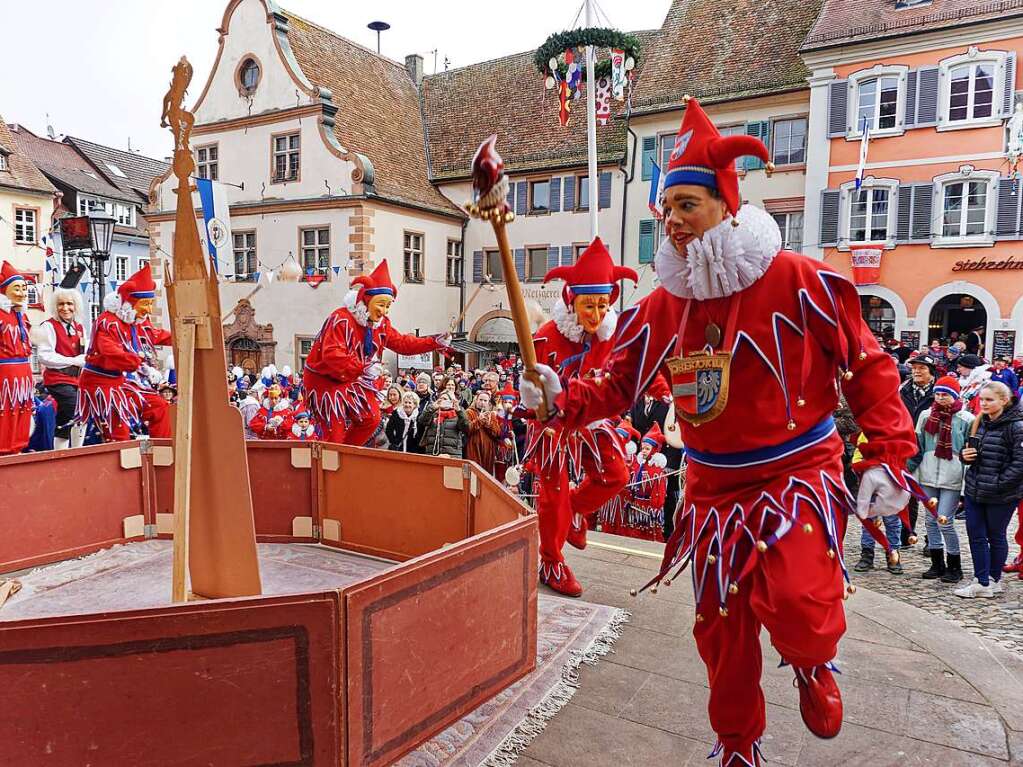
(22, 172)
(139, 170)
(378, 110)
(507, 96)
(842, 22)
(724, 51)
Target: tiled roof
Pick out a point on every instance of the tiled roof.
(63, 165)
(379, 114)
(842, 22)
(139, 171)
(507, 96)
(724, 51)
(22, 172)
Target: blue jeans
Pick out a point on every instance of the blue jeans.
(892, 531)
(986, 524)
(948, 500)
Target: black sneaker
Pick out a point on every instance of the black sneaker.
(866, 562)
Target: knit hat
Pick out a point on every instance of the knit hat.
(8, 276)
(969, 361)
(703, 157)
(593, 274)
(948, 385)
(139, 285)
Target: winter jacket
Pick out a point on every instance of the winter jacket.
(914, 405)
(1007, 377)
(402, 433)
(446, 439)
(996, 476)
(942, 473)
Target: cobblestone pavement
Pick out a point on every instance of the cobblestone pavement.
(999, 619)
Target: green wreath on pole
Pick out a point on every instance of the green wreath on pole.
(554, 48)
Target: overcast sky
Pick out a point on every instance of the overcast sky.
(100, 69)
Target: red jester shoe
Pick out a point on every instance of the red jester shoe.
(559, 577)
(577, 532)
(820, 701)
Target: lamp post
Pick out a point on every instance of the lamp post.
(101, 235)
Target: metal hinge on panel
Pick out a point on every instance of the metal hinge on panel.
(466, 472)
(150, 531)
(145, 445)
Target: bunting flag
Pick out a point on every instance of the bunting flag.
(113, 286)
(565, 110)
(656, 191)
(270, 278)
(603, 100)
(864, 144)
(337, 269)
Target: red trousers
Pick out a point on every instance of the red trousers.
(1019, 530)
(155, 414)
(358, 433)
(557, 504)
(795, 591)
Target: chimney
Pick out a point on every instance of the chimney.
(414, 65)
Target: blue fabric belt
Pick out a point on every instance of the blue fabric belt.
(13, 360)
(102, 372)
(762, 455)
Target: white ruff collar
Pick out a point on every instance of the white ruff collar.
(358, 309)
(126, 313)
(6, 304)
(726, 260)
(568, 324)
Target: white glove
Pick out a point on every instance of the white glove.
(532, 395)
(374, 371)
(879, 496)
(152, 375)
(275, 422)
(79, 361)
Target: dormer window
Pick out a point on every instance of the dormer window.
(4, 164)
(248, 75)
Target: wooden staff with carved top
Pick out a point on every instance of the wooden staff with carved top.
(490, 203)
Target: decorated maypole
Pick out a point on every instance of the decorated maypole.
(591, 127)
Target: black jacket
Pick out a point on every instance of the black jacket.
(915, 406)
(397, 439)
(997, 474)
(448, 438)
(641, 421)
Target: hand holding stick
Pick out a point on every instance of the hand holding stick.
(490, 202)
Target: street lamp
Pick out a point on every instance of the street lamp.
(101, 235)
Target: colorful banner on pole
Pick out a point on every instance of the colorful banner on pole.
(215, 230)
(618, 74)
(866, 265)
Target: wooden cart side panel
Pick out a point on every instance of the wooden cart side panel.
(394, 505)
(431, 641)
(230, 682)
(280, 491)
(493, 505)
(92, 512)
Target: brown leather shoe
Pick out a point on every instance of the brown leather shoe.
(558, 576)
(820, 701)
(577, 532)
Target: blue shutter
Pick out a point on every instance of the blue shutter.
(520, 263)
(910, 117)
(760, 129)
(569, 198)
(830, 199)
(604, 191)
(511, 195)
(838, 108)
(923, 202)
(649, 150)
(552, 257)
(926, 96)
(521, 193)
(1010, 84)
(566, 255)
(555, 196)
(477, 266)
(647, 230)
(1007, 220)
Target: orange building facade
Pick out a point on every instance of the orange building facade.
(932, 235)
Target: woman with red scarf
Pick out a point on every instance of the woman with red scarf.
(941, 432)
(16, 386)
(443, 424)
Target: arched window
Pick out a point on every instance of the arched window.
(248, 76)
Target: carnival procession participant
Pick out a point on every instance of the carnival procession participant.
(61, 343)
(648, 483)
(16, 388)
(577, 342)
(116, 390)
(765, 504)
(344, 362)
(275, 416)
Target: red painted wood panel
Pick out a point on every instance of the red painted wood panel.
(62, 504)
(239, 682)
(466, 617)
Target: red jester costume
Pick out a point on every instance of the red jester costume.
(116, 388)
(577, 343)
(648, 485)
(16, 385)
(344, 362)
(755, 342)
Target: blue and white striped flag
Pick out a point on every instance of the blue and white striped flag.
(656, 191)
(215, 230)
(864, 144)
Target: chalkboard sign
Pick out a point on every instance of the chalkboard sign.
(1004, 343)
(910, 338)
